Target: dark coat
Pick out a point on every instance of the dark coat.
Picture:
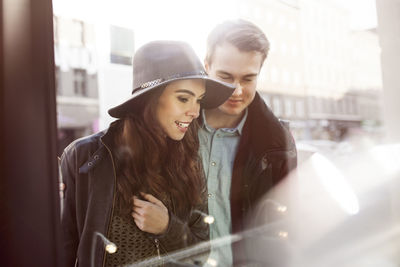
(265, 156)
(88, 171)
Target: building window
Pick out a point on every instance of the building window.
(331, 106)
(272, 48)
(353, 105)
(76, 33)
(284, 48)
(347, 104)
(292, 26)
(79, 26)
(340, 106)
(312, 104)
(294, 50)
(288, 107)
(122, 45)
(80, 82)
(319, 105)
(270, 17)
(274, 75)
(325, 105)
(263, 76)
(282, 21)
(267, 100)
(69, 32)
(89, 35)
(300, 108)
(277, 106)
(286, 77)
(257, 13)
(296, 78)
(58, 80)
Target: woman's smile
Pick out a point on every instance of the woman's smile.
(182, 126)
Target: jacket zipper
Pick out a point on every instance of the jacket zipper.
(114, 193)
(157, 242)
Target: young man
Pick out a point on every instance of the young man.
(245, 149)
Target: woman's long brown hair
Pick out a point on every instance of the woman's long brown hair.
(149, 161)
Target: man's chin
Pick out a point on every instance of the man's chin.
(231, 112)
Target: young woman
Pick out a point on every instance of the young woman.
(139, 184)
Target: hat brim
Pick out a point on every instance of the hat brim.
(217, 93)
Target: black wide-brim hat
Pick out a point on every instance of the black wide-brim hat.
(158, 63)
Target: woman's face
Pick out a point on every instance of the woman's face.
(179, 105)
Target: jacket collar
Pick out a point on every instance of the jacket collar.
(109, 134)
(238, 128)
(104, 138)
(263, 132)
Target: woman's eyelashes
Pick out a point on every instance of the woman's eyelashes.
(186, 99)
(183, 99)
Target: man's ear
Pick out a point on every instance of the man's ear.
(206, 65)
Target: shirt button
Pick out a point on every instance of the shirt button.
(61, 186)
(209, 195)
(213, 163)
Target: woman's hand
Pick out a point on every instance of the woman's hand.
(150, 215)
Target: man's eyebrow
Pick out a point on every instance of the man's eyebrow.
(187, 92)
(223, 72)
(251, 75)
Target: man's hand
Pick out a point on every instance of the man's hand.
(150, 215)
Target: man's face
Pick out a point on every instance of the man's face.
(240, 68)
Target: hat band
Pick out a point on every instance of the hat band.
(172, 77)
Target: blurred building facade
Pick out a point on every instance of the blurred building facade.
(84, 75)
(321, 76)
(76, 79)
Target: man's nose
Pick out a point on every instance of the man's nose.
(239, 89)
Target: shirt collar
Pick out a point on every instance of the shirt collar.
(238, 128)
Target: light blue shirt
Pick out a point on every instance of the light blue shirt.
(218, 150)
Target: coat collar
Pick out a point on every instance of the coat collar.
(262, 131)
(265, 132)
(104, 138)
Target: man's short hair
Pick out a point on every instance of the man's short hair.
(243, 34)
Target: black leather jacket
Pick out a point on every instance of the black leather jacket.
(88, 172)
